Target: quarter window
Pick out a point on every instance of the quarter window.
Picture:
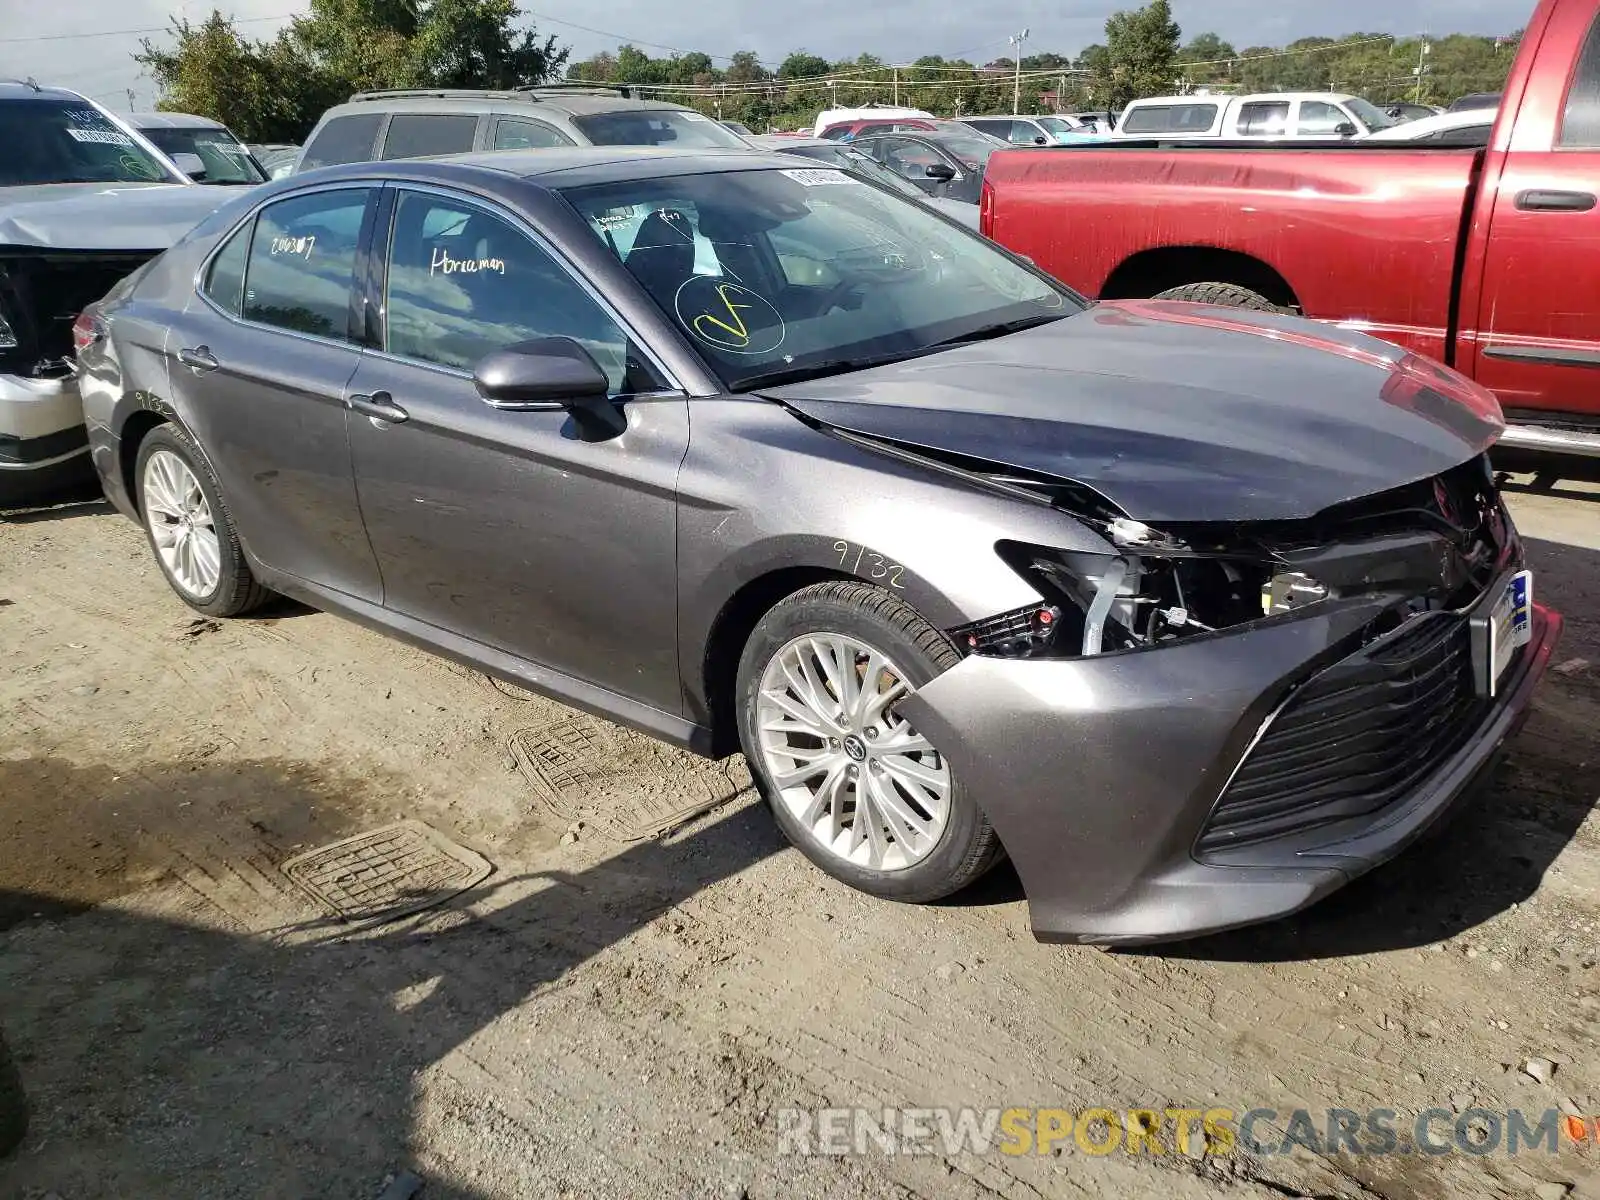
(302, 262)
(342, 140)
(512, 134)
(463, 283)
(1580, 121)
(225, 279)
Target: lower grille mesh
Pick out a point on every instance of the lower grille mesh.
(1356, 738)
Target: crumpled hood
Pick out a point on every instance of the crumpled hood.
(100, 216)
(1177, 412)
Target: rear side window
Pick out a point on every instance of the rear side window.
(343, 140)
(999, 129)
(513, 134)
(1170, 118)
(1580, 122)
(302, 261)
(1263, 118)
(225, 280)
(416, 135)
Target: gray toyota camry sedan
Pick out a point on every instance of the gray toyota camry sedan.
(1194, 614)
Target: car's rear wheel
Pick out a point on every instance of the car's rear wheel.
(1229, 295)
(190, 529)
(854, 786)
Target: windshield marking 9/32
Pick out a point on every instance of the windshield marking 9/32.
(783, 273)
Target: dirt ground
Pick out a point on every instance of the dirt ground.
(611, 1018)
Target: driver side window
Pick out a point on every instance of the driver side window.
(463, 282)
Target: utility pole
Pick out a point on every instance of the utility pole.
(1016, 89)
(897, 87)
(1422, 68)
(130, 99)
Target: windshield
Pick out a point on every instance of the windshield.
(785, 274)
(659, 127)
(850, 159)
(69, 141)
(226, 160)
(972, 151)
(1373, 117)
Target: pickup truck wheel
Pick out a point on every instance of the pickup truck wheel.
(1229, 295)
(860, 792)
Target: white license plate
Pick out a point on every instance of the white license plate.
(1510, 626)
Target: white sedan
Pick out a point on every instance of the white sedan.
(1469, 128)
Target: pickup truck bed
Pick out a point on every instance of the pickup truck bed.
(1485, 259)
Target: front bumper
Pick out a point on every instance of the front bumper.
(44, 447)
(1099, 775)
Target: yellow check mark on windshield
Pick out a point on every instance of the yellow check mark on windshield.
(733, 328)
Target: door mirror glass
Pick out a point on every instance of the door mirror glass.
(940, 171)
(191, 165)
(1041, 140)
(1345, 129)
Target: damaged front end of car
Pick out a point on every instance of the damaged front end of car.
(1434, 544)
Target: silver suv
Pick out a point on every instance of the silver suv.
(415, 124)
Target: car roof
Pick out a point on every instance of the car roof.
(171, 120)
(576, 102)
(1411, 130)
(562, 166)
(17, 89)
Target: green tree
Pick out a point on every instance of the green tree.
(272, 91)
(1141, 54)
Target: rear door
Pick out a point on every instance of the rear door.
(1537, 342)
(507, 527)
(261, 358)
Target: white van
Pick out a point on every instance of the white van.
(1278, 115)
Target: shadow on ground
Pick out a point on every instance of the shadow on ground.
(165, 1059)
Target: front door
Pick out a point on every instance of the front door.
(504, 527)
(1537, 343)
(260, 362)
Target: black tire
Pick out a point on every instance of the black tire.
(13, 1104)
(1229, 295)
(968, 846)
(237, 591)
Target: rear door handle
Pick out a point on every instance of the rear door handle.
(198, 359)
(378, 404)
(1553, 201)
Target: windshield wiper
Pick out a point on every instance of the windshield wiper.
(986, 333)
(834, 366)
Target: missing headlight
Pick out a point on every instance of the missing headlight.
(1098, 603)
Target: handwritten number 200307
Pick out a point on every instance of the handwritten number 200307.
(877, 566)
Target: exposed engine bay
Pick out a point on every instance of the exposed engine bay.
(41, 294)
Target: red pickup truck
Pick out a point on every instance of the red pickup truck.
(1487, 259)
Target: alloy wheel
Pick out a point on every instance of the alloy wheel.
(181, 525)
(865, 785)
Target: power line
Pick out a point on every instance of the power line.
(62, 37)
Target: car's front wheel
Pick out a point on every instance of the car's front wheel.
(190, 529)
(855, 787)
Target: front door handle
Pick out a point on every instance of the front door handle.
(1536, 200)
(199, 359)
(378, 404)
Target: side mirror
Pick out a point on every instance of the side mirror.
(191, 165)
(1345, 129)
(1041, 140)
(943, 172)
(547, 374)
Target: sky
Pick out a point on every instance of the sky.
(84, 44)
